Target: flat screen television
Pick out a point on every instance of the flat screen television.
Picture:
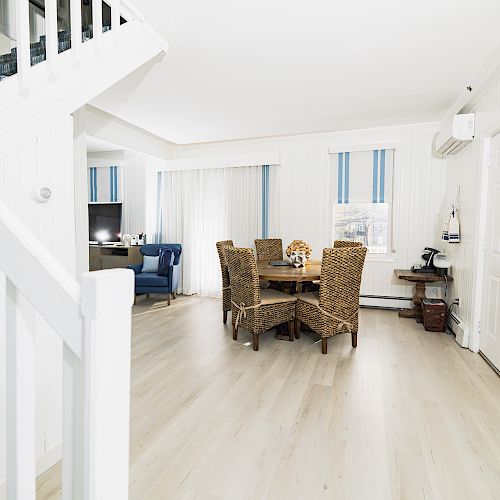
(105, 218)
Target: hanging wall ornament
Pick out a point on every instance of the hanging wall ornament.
(454, 227)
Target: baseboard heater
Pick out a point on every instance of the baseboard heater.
(459, 328)
(385, 302)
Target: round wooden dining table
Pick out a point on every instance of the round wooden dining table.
(311, 272)
(292, 275)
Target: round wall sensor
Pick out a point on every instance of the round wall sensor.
(42, 195)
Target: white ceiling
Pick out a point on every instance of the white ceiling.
(274, 67)
(96, 145)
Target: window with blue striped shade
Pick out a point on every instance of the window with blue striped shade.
(104, 184)
(362, 188)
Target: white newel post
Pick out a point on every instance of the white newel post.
(21, 464)
(107, 298)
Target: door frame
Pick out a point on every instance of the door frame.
(489, 130)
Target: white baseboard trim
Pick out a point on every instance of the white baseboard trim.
(43, 464)
(385, 302)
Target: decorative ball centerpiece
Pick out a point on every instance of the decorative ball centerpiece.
(298, 259)
(299, 252)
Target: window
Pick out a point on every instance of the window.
(362, 203)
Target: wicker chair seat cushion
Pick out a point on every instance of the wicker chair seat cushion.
(270, 296)
(309, 297)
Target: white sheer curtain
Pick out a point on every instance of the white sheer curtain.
(200, 207)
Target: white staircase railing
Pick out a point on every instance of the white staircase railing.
(70, 79)
(94, 323)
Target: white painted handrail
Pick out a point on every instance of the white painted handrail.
(45, 283)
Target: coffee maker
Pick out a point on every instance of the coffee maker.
(428, 258)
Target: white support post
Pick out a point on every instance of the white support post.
(23, 41)
(115, 17)
(51, 34)
(21, 463)
(74, 466)
(76, 27)
(101, 424)
(97, 21)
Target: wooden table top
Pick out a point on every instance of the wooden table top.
(311, 272)
(409, 275)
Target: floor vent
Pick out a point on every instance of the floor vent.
(459, 328)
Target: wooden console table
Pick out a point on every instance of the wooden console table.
(420, 279)
(112, 256)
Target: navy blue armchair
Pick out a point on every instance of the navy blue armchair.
(152, 283)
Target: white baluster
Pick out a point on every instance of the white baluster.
(21, 465)
(99, 427)
(115, 17)
(51, 34)
(74, 473)
(23, 41)
(76, 27)
(97, 21)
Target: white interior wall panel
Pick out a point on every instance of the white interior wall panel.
(44, 161)
(465, 169)
(305, 210)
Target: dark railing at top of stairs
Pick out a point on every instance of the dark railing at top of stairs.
(38, 50)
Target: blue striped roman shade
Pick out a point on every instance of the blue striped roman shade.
(104, 184)
(363, 176)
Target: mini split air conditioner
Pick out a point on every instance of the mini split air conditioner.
(455, 134)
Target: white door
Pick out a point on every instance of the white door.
(490, 316)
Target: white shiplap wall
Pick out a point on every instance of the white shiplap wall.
(305, 210)
(44, 161)
(465, 169)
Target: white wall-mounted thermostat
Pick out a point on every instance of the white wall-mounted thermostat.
(42, 194)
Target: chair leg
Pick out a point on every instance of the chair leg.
(235, 333)
(135, 299)
(291, 328)
(354, 339)
(255, 342)
(297, 328)
(169, 297)
(147, 295)
(324, 345)
(224, 317)
(174, 295)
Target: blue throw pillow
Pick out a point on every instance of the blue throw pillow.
(166, 259)
(150, 264)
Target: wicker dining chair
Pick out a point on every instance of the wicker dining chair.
(226, 286)
(254, 309)
(270, 249)
(334, 309)
(346, 244)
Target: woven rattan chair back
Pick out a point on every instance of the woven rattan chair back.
(244, 276)
(270, 249)
(341, 270)
(346, 244)
(226, 291)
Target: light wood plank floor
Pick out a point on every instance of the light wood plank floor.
(407, 415)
